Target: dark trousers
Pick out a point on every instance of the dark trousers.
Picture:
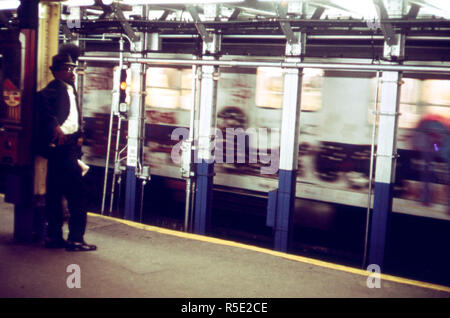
(64, 179)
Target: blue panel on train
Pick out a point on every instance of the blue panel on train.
(271, 207)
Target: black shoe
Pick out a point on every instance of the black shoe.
(61, 243)
(80, 247)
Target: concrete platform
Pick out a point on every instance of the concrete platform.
(135, 260)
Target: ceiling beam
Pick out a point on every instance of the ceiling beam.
(285, 26)
(386, 27)
(201, 29)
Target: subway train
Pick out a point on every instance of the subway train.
(338, 126)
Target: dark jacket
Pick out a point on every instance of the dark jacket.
(52, 109)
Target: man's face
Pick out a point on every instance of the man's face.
(65, 74)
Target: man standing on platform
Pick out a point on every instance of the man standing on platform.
(59, 138)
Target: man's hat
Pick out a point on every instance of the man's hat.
(70, 49)
(61, 60)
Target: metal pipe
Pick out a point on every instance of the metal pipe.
(275, 37)
(89, 39)
(141, 126)
(105, 180)
(195, 135)
(116, 162)
(141, 169)
(254, 36)
(195, 132)
(111, 119)
(278, 64)
(179, 36)
(141, 205)
(142, 116)
(198, 78)
(187, 208)
(362, 37)
(189, 194)
(194, 102)
(193, 191)
(345, 37)
(372, 150)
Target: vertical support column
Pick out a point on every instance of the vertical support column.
(49, 19)
(283, 225)
(188, 156)
(385, 165)
(386, 148)
(206, 137)
(49, 16)
(137, 87)
(28, 225)
(80, 79)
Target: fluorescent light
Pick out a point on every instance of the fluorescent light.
(107, 2)
(79, 3)
(135, 2)
(360, 8)
(9, 4)
(437, 8)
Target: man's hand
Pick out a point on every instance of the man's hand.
(59, 136)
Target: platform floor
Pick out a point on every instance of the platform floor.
(135, 260)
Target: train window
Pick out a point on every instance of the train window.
(269, 88)
(436, 92)
(186, 89)
(312, 89)
(168, 88)
(410, 91)
(419, 98)
(409, 99)
(97, 87)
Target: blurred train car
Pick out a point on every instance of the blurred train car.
(336, 124)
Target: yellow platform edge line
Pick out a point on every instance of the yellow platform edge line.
(292, 257)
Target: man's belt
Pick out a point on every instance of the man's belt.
(69, 140)
(72, 139)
